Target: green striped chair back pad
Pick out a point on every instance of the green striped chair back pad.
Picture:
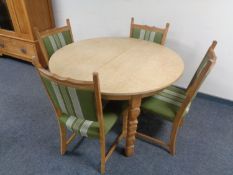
(71, 101)
(152, 36)
(78, 108)
(56, 41)
(199, 70)
(166, 103)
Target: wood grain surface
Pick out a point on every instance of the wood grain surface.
(126, 66)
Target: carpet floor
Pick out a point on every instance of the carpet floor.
(29, 137)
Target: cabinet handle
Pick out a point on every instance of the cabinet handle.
(23, 50)
(2, 45)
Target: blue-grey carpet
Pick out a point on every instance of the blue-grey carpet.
(29, 137)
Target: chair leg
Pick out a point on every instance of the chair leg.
(171, 146)
(102, 154)
(182, 122)
(125, 120)
(63, 145)
(173, 136)
(113, 146)
(153, 140)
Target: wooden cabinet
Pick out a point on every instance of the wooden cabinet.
(17, 21)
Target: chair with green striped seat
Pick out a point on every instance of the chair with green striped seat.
(173, 103)
(78, 108)
(144, 32)
(52, 40)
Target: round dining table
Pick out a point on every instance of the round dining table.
(129, 69)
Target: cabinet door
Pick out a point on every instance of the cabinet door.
(10, 22)
(19, 16)
(5, 18)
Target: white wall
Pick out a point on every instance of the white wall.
(194, 24)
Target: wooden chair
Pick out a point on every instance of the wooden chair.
(173, 103)
(79, 109)
(144, 32)
(52, 40)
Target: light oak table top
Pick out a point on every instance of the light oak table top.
(126, 66)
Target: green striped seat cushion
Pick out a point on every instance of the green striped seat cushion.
(147, 35)
(89, 128)
(57, 41)
(166, 103)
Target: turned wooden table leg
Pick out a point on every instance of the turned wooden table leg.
(134, 111)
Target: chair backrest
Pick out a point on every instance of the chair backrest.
(202, 72)
(52, 40)
(79, 99)
(144, 32)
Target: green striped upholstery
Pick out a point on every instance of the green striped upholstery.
(78, 109)
(199, 70)
(57, 41)
(147, 35)
(166, 103)
(89, 128)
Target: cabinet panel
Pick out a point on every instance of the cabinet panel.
(20, 15)
(18, 48)
(40, 17)
(24, 15)
(2, 44)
